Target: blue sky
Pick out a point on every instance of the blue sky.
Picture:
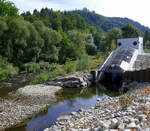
(135, 9)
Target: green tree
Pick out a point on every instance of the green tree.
(129, 31)
(3, 27)
(78, 42)
(146, 36)
(98, 37)
(114, 34)
(7, 8)
(112, 37)
(16, 42)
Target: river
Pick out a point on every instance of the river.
(68, 100)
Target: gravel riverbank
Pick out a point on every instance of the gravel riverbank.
(24, 103)
(130, 111)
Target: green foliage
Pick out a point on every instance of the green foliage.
(114, 33)
(57, 42)
(113, 45)
(43, 77)
(84, 63)
(32, 67)
(6, 69)
(70, 66)
(91, 49)
(129, 31)
(146, 36)
(7, 8)
(3, 27)
(106, 23)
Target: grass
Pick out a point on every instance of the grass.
(48, 71)
(86, 63)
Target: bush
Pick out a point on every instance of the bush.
(70, 66)
(6, 69)
(43, 77)
(84, 63)
(57, 72)
(32, 67)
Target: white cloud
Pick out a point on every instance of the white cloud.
(135, 9)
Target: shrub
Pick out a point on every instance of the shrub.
(57, 72)
(84, 63)
(43, 77)
(6, 69)
(32, 67)
(70, 66)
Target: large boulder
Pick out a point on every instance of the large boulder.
(39, 90)
(71, 81)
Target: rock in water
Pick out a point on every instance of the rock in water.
(71, 81)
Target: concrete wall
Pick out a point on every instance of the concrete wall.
(136, 43)
(138, 76)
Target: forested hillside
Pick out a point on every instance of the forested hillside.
(106, 23)
(39, 40)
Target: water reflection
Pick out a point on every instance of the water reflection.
(68, 100)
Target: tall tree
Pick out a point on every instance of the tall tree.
(8, 8)
(129, 31)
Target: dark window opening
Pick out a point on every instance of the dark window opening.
(134, 43)
(119, 44)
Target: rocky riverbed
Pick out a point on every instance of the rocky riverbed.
(130, 111)
(25, 102)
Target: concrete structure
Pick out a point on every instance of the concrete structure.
(136, 43)
(129, 56)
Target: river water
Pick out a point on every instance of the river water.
(68, 100)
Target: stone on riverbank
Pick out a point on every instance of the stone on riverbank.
(109, 115)
(39, 90)
(24, 103)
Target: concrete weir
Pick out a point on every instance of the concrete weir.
(127, 63)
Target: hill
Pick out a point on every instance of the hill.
(105, 23)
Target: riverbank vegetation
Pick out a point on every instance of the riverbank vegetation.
(52, 41)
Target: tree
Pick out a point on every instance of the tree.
(129, 31)
(114, 34)
(77, 41)
(8, 8)
(16, 42)
(146, 36)
(51, 42)
(3, 27)
(34, 46)
(66, 24)
(98, 37)
(91, 49)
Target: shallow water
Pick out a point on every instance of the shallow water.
(68, 100)
(15, 82)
